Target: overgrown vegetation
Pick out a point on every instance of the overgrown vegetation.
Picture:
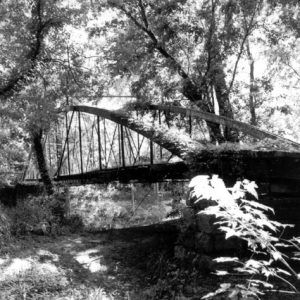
(181, 272)
(112, 206)
(237, 216)
(238, 59)
(43, 215)
(5, 227)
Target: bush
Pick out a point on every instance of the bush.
(245, 219)
(74, 223)
(40, 214)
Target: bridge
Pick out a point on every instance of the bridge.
(152, 143)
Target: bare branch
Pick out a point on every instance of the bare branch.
(210, 37)
(246, 35)
(143, 12)
(292, 68)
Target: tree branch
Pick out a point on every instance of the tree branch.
(145, 28)
(292, 68)
(143, 12)
(39, 32)
(209, 41)
(190, 89)
(247, 33)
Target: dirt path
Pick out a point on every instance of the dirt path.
(104, 266)
(110, 265)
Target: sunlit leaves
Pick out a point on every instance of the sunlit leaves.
(238, 217)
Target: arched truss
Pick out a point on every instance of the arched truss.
(99, 145)
(244, 128)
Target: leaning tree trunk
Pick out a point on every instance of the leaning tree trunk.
(222, 95)
(41, 162)
(197, 96)
(253, 119)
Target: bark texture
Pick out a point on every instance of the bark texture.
(41, 162)
(253, 117)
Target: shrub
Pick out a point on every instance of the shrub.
(245, 219)
(39, 214)
(74, 223)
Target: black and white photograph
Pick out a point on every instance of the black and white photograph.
(149, 149)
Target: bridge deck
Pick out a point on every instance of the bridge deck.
(276, 172)
(141, 173)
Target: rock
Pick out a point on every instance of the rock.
(202, 204)
(179, 252)
(204, 242)
(188, 215)
(205, 223)
(187, 239)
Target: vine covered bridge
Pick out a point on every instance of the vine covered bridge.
(155, 143)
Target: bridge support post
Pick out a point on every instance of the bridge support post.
(160, 148)
(68, 146)
(99, 143)
(132, 196)
(64, 148)
(122, 146)
(80, 142)
(156, 191)
(151, 153)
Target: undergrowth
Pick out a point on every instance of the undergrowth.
(32, 284)
(5, 227)
(109, 207)
(248, 220)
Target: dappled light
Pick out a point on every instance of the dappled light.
(90, 261)
(149, 150)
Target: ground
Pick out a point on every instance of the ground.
(126, 251)
(108, 265)
(115, 264)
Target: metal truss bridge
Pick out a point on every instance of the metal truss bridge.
(158, 142)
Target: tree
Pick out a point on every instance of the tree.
(180, 46)
(31, 77)
(12, 152)
(27, 28)
(266, 86)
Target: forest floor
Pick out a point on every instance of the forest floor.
(116, 264)
(133, 261)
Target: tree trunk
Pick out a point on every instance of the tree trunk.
(253, 118)
(41, 162)
(197, 96)
(225, 109)
(190, 89)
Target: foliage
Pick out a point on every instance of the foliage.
(106, 207)
(5, 227)
(152, 44)
(237, 216)
(12, 152)
(37, 214)
(178, 51)
(35, 283)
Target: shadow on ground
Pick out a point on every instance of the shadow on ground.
(116, 263)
